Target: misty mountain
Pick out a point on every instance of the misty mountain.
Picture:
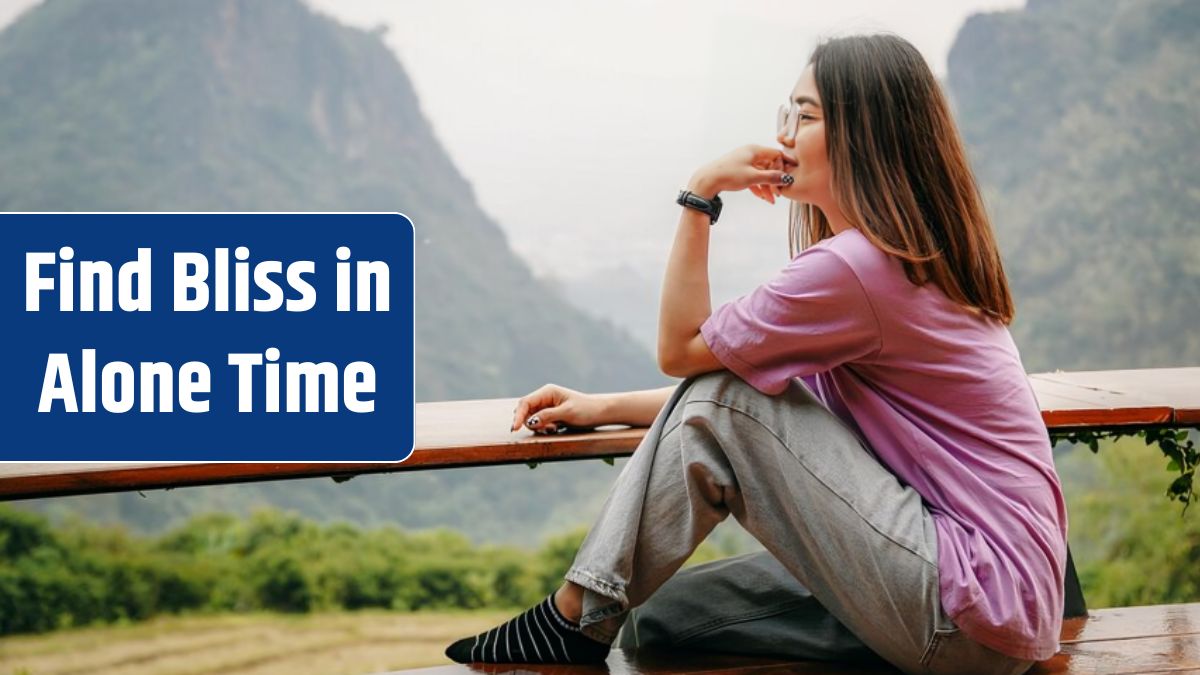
(1083, 124)
(263, 105)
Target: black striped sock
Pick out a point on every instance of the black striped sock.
(540, 635)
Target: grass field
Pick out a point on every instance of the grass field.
(257, 644)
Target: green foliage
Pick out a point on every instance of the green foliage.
(1174, 443)
(1131, 546)
(81, 573)
(278, 581)
(21, 532)
(556, 556)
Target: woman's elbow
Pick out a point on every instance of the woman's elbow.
(668, 363)
(686, 358)
(675, 361)
(684, 365)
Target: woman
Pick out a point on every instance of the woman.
(864, 414)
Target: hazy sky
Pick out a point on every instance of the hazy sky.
(550, 108)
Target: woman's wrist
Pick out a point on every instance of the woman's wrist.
(607, 408)
(702, 185)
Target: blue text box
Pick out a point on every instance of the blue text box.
(319, 335)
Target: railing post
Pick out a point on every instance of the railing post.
(1073, 605)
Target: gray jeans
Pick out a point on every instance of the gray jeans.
(850, 568)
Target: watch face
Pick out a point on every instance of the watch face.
(711, 208)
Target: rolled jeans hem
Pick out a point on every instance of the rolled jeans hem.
(604, 605)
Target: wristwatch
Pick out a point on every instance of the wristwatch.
(691, 200)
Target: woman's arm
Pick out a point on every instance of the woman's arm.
(635, 408)
(686, 302)
(552, 406)
(685, 305)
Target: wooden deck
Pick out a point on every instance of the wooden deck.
(475, 433)
(1158, 639)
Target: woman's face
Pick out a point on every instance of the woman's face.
(807, 148)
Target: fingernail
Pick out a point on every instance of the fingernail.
(532, 422)
(787, 179)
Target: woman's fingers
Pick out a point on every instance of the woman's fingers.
(543, 397)
(519, 414)
(766, 193)
(782, 164)
(547, 419)
(778, 163)
(551, 409)
(765, 153)
(770, 177)
(754, 167)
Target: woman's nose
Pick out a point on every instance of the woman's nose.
(784, 140)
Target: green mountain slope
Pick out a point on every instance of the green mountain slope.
(1083, 122)
(143, 105)
(237, 105)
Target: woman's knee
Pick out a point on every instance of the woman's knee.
(721, 386)
(726, 389)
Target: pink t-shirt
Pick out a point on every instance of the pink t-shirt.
(941, 397)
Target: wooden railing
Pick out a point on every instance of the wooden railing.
(475, 433)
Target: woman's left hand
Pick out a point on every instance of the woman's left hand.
(756, 167)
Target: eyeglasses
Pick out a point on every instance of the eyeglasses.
(787, 120)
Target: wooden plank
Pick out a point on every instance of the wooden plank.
(1154, 639)
(1066, 405)
(447, 434)
(629, 662)
(1179, 386)
(1119, 623)
(1158, 654)
(475, 433)
(1121, 397)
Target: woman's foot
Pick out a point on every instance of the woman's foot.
(542, 634)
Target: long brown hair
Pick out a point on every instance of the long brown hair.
(900, 172)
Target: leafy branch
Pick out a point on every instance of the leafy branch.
(1174, 443)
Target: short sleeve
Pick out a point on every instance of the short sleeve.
(812, 316)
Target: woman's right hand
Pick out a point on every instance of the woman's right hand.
(551, 407)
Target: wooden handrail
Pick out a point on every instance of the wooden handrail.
(475, 433)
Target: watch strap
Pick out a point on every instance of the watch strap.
(710, 207)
